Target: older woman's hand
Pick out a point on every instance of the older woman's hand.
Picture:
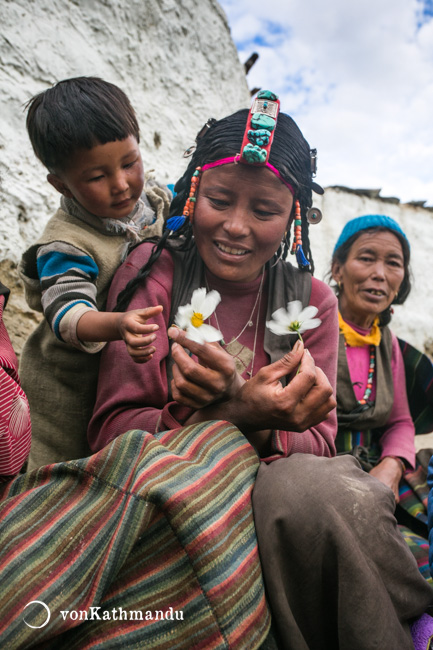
(199, 384)
(389, 471)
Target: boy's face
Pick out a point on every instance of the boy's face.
(106, 180)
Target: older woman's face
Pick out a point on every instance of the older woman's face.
(240, 218)
(371, 276)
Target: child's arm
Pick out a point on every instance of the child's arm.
(131, 326)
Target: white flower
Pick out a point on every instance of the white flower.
(294, 320)
(191, 317)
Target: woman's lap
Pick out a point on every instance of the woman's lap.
(146, 524)
(336, 569)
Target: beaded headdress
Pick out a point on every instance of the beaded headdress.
(255, 150)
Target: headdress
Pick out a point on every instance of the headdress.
(368, 221)
(255, 150)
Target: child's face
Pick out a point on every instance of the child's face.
(107, 180)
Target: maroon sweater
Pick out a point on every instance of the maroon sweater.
(135, 396)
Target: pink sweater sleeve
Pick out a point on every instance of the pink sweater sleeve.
(15, 426)
(322, 343)
(132, 395)
(398, 439)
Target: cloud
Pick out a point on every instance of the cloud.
(358, 79)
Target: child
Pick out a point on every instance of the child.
(85, 132)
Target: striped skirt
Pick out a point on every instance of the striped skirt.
(149, 543)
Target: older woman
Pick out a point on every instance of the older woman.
(370, 266)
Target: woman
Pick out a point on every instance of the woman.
(236, 216)
(370, 266)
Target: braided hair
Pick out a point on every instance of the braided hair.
(290, 155)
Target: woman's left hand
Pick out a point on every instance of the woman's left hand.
(389, 472)
(198, 384)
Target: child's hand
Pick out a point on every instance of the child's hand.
(138, 334)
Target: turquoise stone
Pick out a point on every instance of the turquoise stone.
(259, 137)
(253, 154)
(262, 121)
(267, 94)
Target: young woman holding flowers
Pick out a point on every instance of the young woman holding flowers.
(320, 565)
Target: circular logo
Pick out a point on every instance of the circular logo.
(47, 609)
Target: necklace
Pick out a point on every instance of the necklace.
(236, 349)
(371, 368)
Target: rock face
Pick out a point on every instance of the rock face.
(175, 59)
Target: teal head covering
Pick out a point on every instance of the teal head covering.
(368, 221)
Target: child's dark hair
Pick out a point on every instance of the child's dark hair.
(290, 154)
(77, 113)
(341, 254)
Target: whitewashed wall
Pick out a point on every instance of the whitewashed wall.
(175, 59)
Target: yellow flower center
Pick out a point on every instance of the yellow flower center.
(294, 326)
(197, 319)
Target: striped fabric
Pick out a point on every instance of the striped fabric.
(15, 427)
(158, 525)
(68, 277)
(420, 549)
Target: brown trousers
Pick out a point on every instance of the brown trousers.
(337, 572)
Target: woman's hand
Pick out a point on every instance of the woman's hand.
(389, 471)
(198, 385)
(305, 401)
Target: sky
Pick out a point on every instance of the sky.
(357, 76)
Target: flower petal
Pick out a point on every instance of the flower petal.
(197, 299)
(281, 329)
(310, 324)
(308, 312)
(212, 299)
(204, 334)
(294, 308)
(183, 316)
(281, 316)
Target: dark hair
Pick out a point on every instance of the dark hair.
(341, 254)
(77, 114)
(290, 154)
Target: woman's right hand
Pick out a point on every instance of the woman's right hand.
(198, 384)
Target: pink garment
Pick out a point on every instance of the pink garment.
(134, 396)
(398, 439)
(15, 428)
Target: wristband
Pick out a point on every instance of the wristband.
(402, 465)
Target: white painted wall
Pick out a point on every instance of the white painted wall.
(175, 59)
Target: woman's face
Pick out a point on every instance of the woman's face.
(371, 276)
(240, 218)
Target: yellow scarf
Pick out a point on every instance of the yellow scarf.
(354, 339)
